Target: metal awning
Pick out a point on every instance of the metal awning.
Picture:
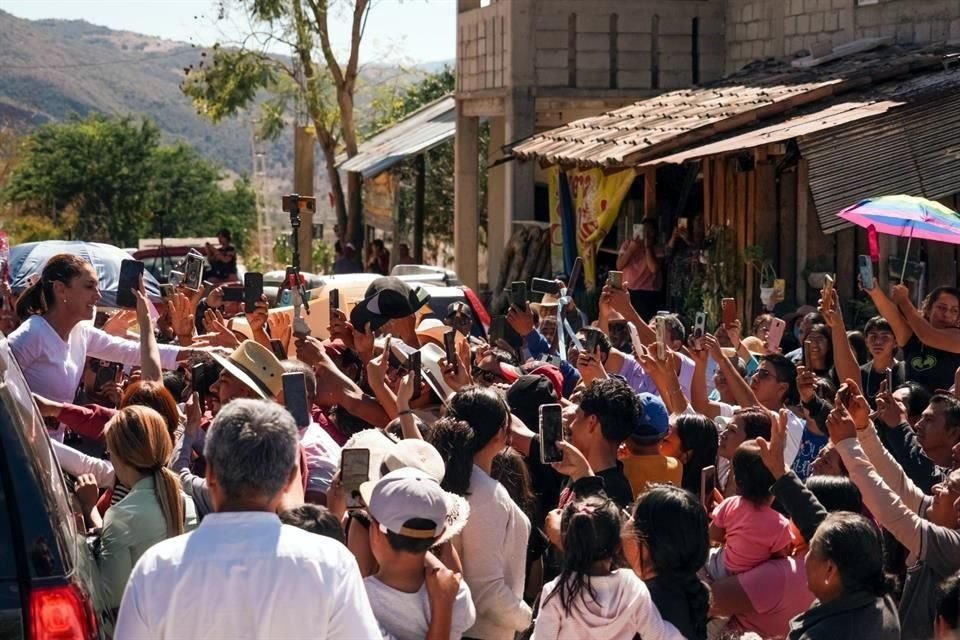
(913, 150)
(421, 131)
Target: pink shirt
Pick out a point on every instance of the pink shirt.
(778, 591)
(753, 533)
(636, 275)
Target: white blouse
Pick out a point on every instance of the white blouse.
(54, 368)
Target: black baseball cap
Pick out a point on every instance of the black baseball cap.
(387, 298)
(525, 396)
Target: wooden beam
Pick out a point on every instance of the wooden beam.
(803, 201)
(649, 193)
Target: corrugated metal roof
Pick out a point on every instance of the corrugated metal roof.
(659, 125)
(420, 131)
(913, 150)
(821, 117)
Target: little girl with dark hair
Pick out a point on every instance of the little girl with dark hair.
(751, 531)
(592, 598)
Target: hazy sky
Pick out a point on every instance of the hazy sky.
(398, 30)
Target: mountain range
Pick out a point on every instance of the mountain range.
(50, 69)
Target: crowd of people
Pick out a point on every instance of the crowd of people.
(710, 484)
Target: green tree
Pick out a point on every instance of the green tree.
(323, 86)
(110, 179)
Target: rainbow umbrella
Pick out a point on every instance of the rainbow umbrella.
(906, 215)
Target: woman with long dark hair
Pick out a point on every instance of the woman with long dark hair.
(493, 545)
(693, 440)
(667, 544)
(56, 336)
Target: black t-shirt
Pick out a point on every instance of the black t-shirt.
(870, 380)
(931, 368)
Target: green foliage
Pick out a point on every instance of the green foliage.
(322, 257)
(230, 84)
(110, 179)
(722, 271)
(394, 104)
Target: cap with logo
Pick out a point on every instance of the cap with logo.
(387, 298)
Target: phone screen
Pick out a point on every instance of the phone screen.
(232, 293)
(295, 397)
(615, 278)
(354, 471)
(551, 432)
(193, 271)
(518, 295)
(334, 298)
(866, 271)
(413, 363)
(252, 290)
(130, 273)
(450, 346)
(106, 374)
(708, 484)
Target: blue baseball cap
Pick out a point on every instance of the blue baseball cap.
(654, 422)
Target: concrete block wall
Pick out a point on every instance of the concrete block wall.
(758, 29)
(575, 32)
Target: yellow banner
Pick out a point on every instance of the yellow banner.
(597, 197)
(556, 228)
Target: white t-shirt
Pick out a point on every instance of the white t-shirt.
(53, 368)
(795, 428)
(406, 616)
(622, 608)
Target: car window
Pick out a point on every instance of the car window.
(15, 394)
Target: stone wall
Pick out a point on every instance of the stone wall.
(762, 28)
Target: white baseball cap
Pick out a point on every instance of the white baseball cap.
(407, 502)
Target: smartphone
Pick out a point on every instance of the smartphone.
(541, 285)
(865, 266)
(295, 397)
(554, 360)
(518, 296)
(252, 290)
(196, 373)
(450, 346)
(175, 278)
(890, 380)
(806, 358)
(193, 271)
(590, 342)
(699, 325)
(660, 322)
(167, 291)
(106, 374)
(354, 471)
(708, 484)
(277, 347)
(615, 278)
(683, 224)
(575, 275)
(334, 300)
(414, 364)
(233, 293)
(729, 306)
(638, 231)
(130, 273)
(827, 287)
(775, 333)
(551, 432)
(638, 347)
(498, 329)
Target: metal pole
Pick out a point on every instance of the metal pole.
(906, 256)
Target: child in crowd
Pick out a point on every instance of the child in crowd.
(315, 519)
(645, 465)
(592, 598)
(748, 527)
(408, 512)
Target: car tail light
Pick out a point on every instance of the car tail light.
(61, 613)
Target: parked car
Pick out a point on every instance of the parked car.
(160, 261)
(49, 580)
(353, 286)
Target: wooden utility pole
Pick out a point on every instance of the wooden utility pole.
(304, 143)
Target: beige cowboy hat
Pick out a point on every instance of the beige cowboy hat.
(549, 302)
(255, 366)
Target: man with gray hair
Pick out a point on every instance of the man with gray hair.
(241, 573)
